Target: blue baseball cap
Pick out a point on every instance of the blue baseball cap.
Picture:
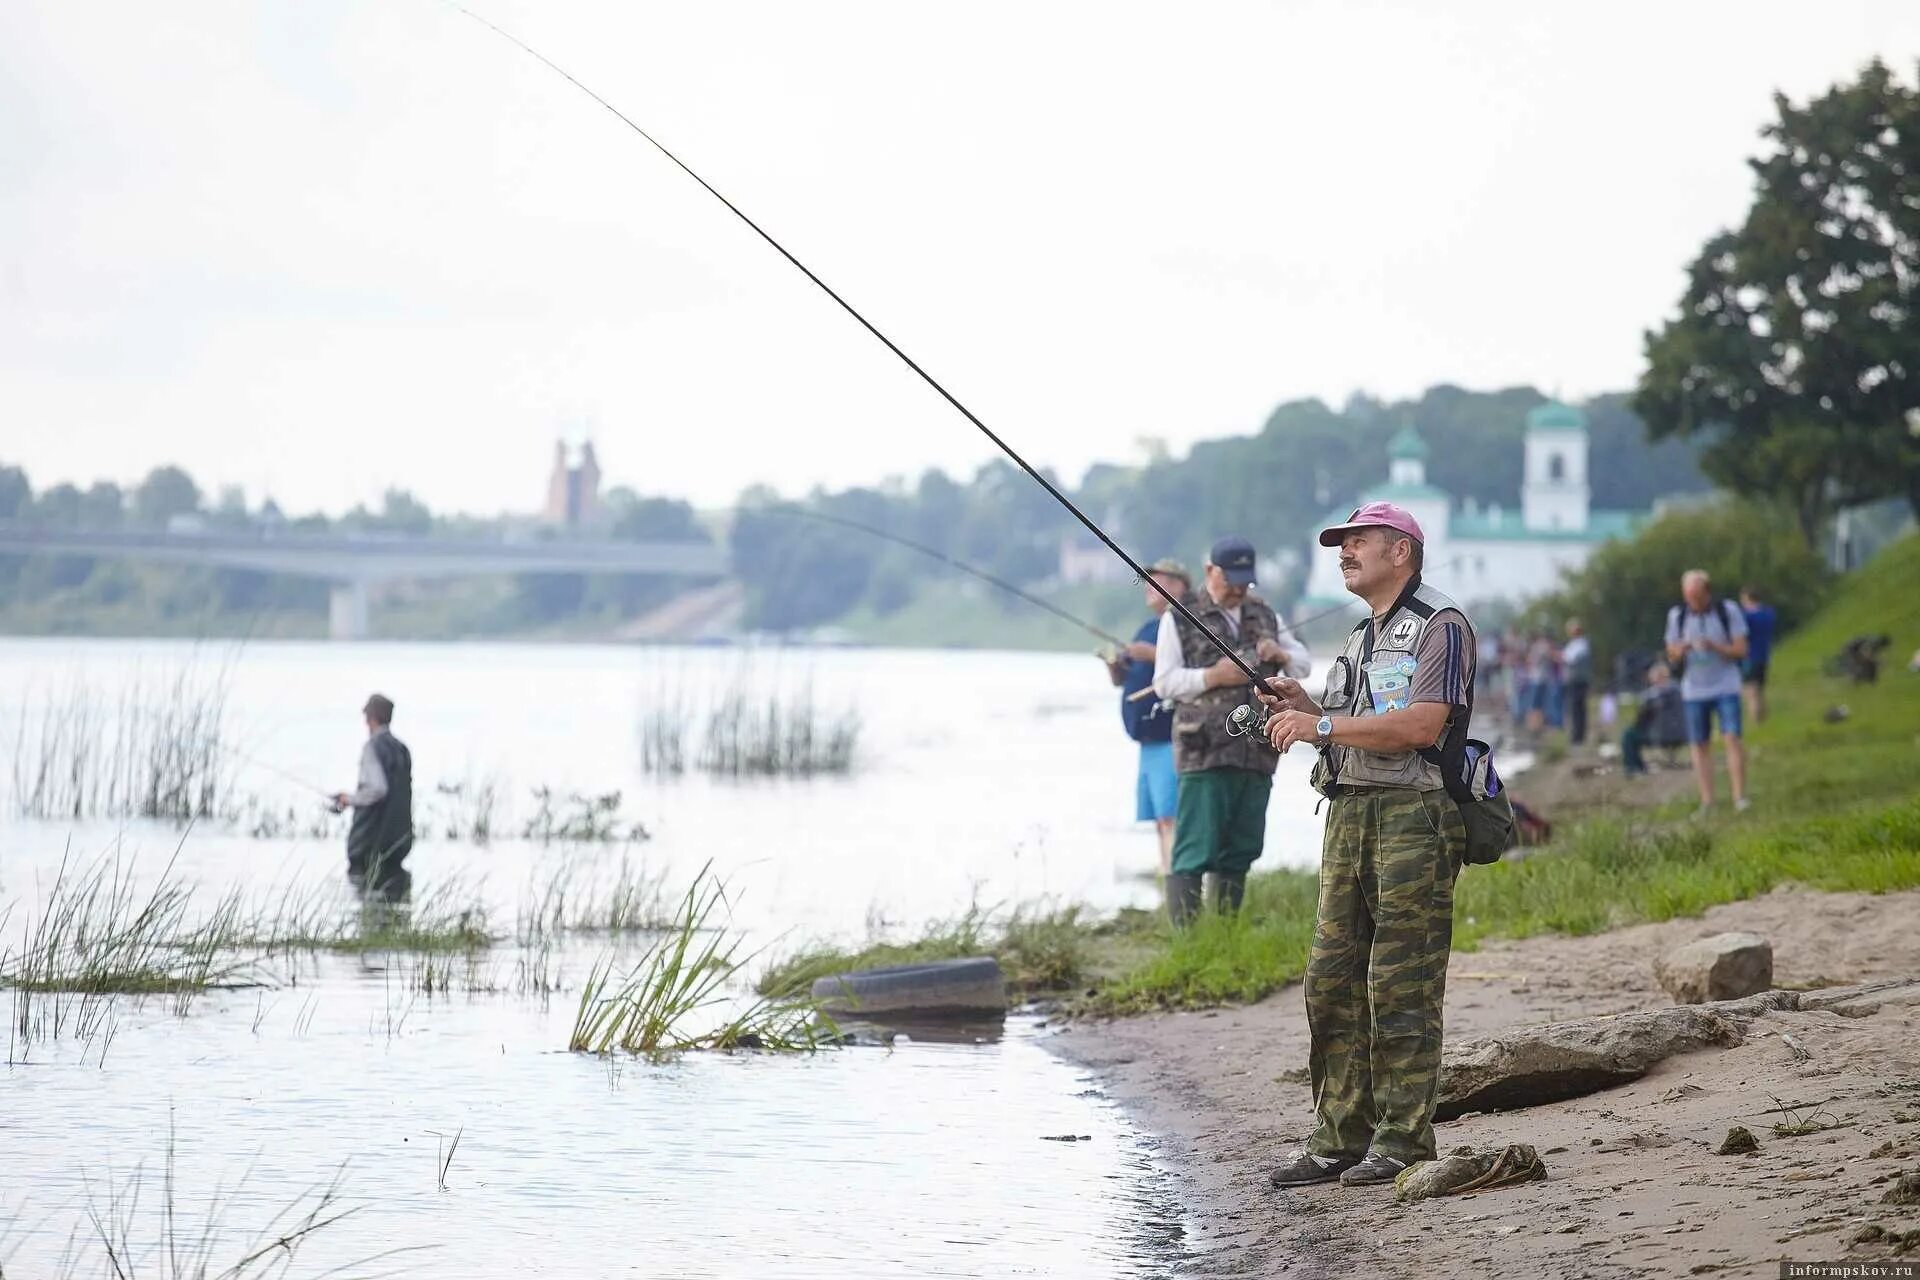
(1234, 557)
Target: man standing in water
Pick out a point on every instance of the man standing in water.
(382, 832)
(1396, 706)
(1148, 721)
(1225, 778)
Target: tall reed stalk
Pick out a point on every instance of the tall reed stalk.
(753, 728)
(675, 997)
(153, 749)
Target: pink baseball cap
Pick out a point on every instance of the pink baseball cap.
(1381, 514)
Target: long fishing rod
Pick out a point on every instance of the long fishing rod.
(246, 757)
(788, 509)
(1140, 571)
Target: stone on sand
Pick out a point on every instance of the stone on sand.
(1726, 966)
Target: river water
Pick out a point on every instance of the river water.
(980, 778)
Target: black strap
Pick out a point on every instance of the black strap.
(1404, 600)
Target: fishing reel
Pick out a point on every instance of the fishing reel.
(1248, 718)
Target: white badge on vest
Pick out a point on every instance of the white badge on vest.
(1390, 681)
(1401, 634)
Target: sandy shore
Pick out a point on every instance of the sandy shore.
(1634, 1186)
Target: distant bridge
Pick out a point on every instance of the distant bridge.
(354, 562)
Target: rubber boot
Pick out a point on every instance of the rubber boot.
(1183, 899)
(1229, 890)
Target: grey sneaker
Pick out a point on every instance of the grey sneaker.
(1742, 804)
(1375, 1168)
(1303, 1168)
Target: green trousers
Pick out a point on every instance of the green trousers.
(1220, 822)
(1378, 974)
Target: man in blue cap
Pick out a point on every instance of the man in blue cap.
(1225, 779)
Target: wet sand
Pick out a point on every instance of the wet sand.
(1634, 1188)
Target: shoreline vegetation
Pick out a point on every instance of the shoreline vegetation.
(1831, 772)
(1835, 808)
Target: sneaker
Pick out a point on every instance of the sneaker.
(1303, 1168)
(1704, 812)
(1375, 1168)
(1742, 805)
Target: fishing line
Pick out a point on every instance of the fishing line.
(248, 758)
(1140, 571)
(787, 509)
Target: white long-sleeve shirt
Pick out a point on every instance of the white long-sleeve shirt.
(371, 786)
(1175, 681)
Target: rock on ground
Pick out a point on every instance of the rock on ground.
(1527, 1066)
(1726, 966)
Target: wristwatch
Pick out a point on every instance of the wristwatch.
(1323, 727)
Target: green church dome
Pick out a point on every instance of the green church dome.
(1554, 416)
(1408, 444)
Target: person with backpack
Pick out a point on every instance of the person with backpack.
(1392, 729)
(1147, 720)
(1710, 636)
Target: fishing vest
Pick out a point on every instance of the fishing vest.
(1379, 664)
(1200, 737)
(382, 832)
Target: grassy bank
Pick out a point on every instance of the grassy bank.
(1836, 807)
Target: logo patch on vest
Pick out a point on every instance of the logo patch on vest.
(1402, 632)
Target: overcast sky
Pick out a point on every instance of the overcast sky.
(316, 249)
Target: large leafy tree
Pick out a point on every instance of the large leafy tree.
(1796, 353)
(165, 493)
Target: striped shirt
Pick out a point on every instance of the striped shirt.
(1444, 662)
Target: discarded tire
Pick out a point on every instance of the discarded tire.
(942, 988)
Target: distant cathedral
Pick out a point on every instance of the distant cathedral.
(573, 490)
(1475, 553)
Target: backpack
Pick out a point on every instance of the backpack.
(1676, 619)
(1474, 786)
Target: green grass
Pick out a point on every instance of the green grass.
(1837, 807)
(675, 999)
(1041, 950)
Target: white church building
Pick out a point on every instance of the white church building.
(1477, 554)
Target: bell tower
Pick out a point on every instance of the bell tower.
(1554, 494)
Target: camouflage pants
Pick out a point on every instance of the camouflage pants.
(1378, 975)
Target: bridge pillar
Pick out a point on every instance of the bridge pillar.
(347, 611)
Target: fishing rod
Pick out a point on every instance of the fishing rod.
(788, 509)
(1139, 570)
(248, 758)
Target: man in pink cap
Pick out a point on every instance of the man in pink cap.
(1390, 725)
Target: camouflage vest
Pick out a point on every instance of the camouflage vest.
(1200, 738)
(1350, 692)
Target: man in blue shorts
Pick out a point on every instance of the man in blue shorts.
(1148, 721)
(1710, 636)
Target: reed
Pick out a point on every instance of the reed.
(749, 734)
(98, 933)
(155, 749)
(573, 898)
(131, 1232)
(466, 810)
(577, 818)
(754, 728)
(674, 999)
